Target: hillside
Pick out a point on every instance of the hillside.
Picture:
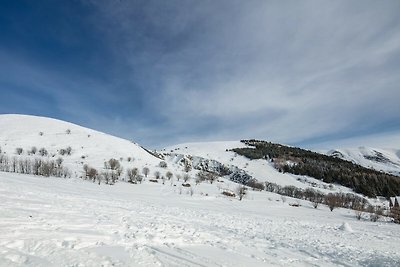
(77, 146)
(380, 159)
(330, 169)
(260, 169)
(87, 146)
(201, 204)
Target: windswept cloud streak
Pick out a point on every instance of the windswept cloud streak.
(294, 72)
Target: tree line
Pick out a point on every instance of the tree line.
(329, 169)
(36, 166)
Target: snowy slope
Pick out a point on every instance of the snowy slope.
(70, 222)
(261, 169)
(88, 146)
(387, 160)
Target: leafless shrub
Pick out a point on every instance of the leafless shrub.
(59, 162)
(162, 164)
(241, 191)
(169, 175)
(43, 152)
(253, 183)
(132, 175)
(113, 164)
(146, 171)
(331, 201)
(33, 150)
(375, 213)
(19, 150)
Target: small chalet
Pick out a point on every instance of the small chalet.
(394, 202)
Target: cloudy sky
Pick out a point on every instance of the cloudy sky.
(164, 72)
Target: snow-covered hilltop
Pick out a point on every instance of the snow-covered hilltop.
(76, 145)
(381, 159)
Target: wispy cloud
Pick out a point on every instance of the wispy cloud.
(179, 71)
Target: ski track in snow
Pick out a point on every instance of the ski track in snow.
(56, 222)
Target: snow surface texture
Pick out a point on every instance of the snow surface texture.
(70, 222)
(387, 160)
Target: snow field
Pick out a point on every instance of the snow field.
(70, 222)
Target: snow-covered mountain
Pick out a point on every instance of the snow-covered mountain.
(381, 159)
(55, 136)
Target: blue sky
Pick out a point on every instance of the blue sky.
(165, 72)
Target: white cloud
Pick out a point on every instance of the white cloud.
(282, 71)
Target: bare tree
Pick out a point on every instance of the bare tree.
(359, 209)
(157, 174)
(162, 164)
(19, 150)
(211, 177)
(146, 171)
(92, 174)
(59, 162)
(33, 150)
(375, 213)
(132, 175)
(332, 201)
(241, 191)
(114, 164)
(200, 177)
(169, 175)
(106, 176)
(86, 170)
